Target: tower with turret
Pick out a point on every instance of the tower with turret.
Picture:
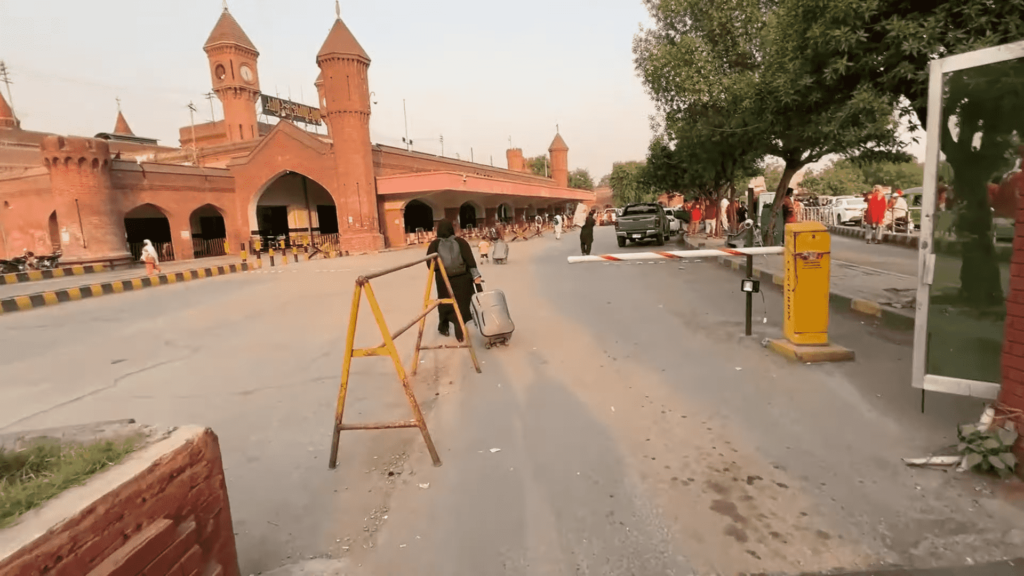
(236, 81)
(559, 161)
(344, 67)
(88, 208)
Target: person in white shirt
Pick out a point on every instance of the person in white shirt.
(723, 217)
(558, 226)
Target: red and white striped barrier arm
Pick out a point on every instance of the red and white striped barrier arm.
(678, 254)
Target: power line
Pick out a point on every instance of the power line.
(5, 77)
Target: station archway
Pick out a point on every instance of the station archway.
(470, 215)
(209, 232)
(149, 222)
(292, 206)
(419, 216)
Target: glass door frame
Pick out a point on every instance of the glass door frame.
(926, 255)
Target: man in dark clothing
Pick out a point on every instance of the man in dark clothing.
(462, 284)
(741, 214)
(587, 234)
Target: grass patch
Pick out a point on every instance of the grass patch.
(32, 476)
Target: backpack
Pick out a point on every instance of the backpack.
(451, 256)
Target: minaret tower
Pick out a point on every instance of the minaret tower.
(346, 103)
(559, 161)
(235, 79)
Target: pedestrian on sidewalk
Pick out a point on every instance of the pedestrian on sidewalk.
(875, 215)
(587, 234)
(710, 217)
(149, 256)
(558, 226)
(741, 214)
(723, 217)
(457, 257)
(789, 213)
(485, 249)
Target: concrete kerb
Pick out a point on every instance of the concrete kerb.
(906, 240)
(51, 298)
(33, 275)
(893, 319)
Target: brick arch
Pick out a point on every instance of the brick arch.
(254, 200)
(165, 212)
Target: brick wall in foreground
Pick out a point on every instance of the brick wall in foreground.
(171, 518)
(1011, 395)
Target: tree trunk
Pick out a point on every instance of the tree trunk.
(768, 232)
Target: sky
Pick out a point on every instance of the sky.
(477, 72)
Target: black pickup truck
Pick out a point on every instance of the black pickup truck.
(643, 222)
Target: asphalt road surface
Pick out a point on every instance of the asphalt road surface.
(629, 428)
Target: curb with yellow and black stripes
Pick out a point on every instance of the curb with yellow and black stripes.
(33, 275)
(41, 299)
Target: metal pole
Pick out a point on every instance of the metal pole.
(309, 214)
(80, 226)
(750, 267)
(408, 143)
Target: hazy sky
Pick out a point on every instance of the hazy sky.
(476, 71)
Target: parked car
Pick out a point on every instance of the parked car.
(848, 210)
(673, 223)
(609, 217)
(642, 222)
(914, 197)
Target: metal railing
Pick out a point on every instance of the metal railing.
(206, 248)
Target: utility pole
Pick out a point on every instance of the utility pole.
(192, 116)
(5, 77)
(442, 145)
(471, 154)
(406, 140)
(750, 265)
(210, 96)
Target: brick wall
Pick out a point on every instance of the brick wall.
(165, 512)
(1011, 395)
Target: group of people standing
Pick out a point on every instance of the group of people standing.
(882, 213)
(719, 217)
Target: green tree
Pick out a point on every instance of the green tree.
(841, 178)
(605, 181)
(901, 175)
(539, 165)
(629, 184)
(773, 175)
(699, 63)
(580, 179)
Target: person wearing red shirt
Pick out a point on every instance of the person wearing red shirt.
(875, 215)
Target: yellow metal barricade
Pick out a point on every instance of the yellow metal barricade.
(388, 348)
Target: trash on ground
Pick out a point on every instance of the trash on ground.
(613, 408)
(493, 450)
(425, 486)
(936, 461)
(738, 368)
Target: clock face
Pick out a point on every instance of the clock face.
(246, 73)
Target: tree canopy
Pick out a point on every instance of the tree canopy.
(580, 179)
(539, 165)
(630, 185)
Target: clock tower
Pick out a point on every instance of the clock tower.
(235, 80)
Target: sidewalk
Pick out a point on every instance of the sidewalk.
(884, 294)
(39, 286)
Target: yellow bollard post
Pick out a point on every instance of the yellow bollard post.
(806, 296)
(245, 255)
(270, 252)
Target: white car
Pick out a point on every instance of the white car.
(673, 223)
(848, 210)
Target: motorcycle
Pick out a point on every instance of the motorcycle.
(50, 261)
(9, 267)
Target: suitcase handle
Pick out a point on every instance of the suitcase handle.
(479, 286)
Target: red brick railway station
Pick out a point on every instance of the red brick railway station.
(236, 179)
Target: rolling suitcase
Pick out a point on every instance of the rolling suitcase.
(500, 252)
(490, 312)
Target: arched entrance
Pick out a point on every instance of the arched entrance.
(467, 216)
(292, 208)
(54, 230)
(209, 233)
(505, 213)
(419, 217)
(148, 222)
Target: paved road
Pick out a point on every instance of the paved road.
(638, 431)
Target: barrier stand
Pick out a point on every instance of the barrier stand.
(295, 254)
(258, 246)
(243, 253)
(270, 252)
(806, 295)
(807, 252)
(387, 348)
